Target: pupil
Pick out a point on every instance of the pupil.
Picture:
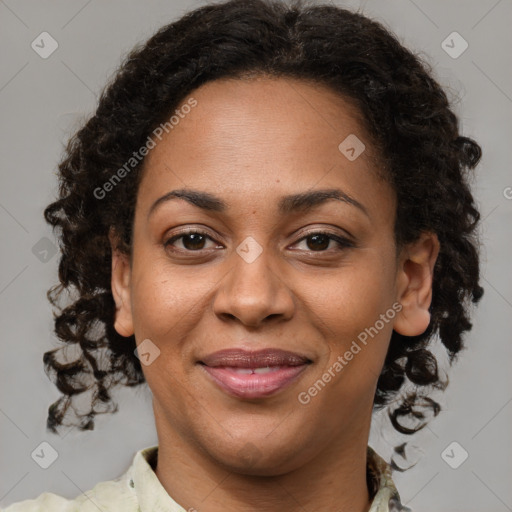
(321, 245)
(195, 240)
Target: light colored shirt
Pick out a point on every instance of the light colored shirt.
(139, 490)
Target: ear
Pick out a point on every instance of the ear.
(120, 284)
(414, 284)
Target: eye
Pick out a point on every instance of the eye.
(316, 241)
(192, 240)
(319, 241)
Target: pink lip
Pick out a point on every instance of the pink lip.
(233, 370)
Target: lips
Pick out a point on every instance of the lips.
(253, 374)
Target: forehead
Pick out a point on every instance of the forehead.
(237, 116)
(248, 139)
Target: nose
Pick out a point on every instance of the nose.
(253, 292)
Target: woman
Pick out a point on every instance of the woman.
(268, 221)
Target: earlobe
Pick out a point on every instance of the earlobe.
(120, 284)
(414, 284)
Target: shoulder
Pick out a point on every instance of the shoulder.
(108, 496)
(45, 501)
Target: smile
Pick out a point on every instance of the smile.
(253, 374)
(254, 383)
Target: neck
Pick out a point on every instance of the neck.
(334, 480)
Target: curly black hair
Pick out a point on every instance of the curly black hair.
(407, 117)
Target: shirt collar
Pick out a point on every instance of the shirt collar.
(152, 496)
(380, 483)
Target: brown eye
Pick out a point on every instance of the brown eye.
(319, 241)
(191, 241)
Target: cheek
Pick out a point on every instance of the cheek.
(156, 305)
(357, 317)
(165, 300)
(167, 306)
(163, 307)
(353, 298)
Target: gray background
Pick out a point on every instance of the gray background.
(41, 102)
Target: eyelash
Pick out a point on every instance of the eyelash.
(343, 242)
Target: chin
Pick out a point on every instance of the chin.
(261, 457)
(263, 466)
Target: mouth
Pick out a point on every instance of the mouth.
(253, 374)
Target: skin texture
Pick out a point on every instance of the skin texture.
(250, 142)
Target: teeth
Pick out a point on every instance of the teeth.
(264, 370)
(249, 371)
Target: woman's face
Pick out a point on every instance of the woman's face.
(259, 279)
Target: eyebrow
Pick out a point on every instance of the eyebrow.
(301, 202)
